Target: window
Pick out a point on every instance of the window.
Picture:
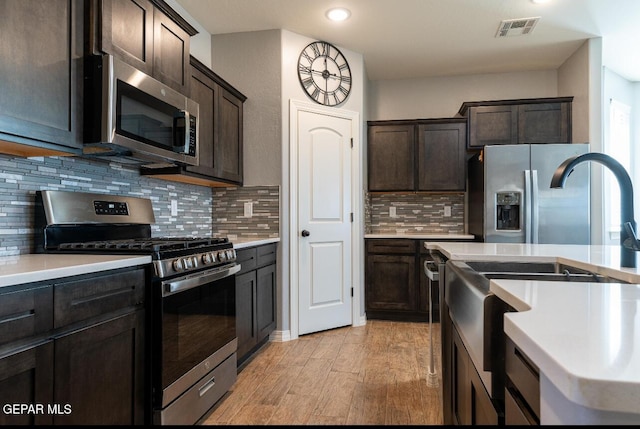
(618, 145)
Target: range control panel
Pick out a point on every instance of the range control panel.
(111, 208)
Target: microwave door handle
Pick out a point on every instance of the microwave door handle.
(181, 131)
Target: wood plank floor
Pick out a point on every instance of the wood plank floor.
(374, 374)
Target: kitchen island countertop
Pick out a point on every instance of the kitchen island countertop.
(20, 269)
(584, 337)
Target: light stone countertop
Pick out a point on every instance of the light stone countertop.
(584, 337)
(19, 269)
(241, 243)
(425, 236)
(28, 268)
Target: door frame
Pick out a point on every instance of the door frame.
(357, 204)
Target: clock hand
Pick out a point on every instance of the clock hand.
(326, 74)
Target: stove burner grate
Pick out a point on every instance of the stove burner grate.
(146, 244)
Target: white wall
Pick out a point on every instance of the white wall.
(251, 63)
(574, 80)
(263, 66)
(620, 89)
(201, 42)
(581, 76)
(292, 45)
(441, 97)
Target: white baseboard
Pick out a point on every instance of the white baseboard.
(280, 336)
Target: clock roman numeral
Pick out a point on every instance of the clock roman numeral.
(326, 49)
(304, 69)
(307, 82)
(316, 49)
(307, 56)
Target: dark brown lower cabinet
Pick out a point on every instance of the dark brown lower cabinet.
(522, 388)
(396, 286)
(79, 355)
(98, 373)
(472, 404)
(392, 283)
(255, 298)
(392, 280)
(26, 377)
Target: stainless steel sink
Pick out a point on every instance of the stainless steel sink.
(512, 267)
(548, 271)
(478, 314)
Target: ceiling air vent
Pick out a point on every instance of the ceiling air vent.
(516, 27)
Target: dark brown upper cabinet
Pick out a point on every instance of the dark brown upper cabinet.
(522, 121)
(442, 156)
(391, 155)
(220, 133)
(417, 155)
(41, 74)
(146, 34)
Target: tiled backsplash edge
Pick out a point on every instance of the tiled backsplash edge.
(229, 218)
(415, 213)
(20, 178)
(200, 214)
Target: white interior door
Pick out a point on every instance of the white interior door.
(324, 222)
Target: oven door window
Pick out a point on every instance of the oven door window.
(196, 323)
(142, 117)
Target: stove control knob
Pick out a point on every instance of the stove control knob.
(206, 258)
(214, 257)
(177, 265)
(231, 255)
(222, 256)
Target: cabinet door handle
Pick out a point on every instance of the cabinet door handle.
(305, 233)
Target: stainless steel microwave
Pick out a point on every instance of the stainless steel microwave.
(131, 117)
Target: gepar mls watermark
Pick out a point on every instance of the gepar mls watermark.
(37, 409)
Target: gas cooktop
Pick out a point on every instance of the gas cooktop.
(158, 244)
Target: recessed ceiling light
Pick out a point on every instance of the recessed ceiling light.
(338, 14)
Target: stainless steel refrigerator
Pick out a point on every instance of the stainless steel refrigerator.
(510, 201)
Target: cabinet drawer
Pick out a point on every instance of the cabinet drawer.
(266, 254)
(401, 246)
(247, 258)
(24, 312)
(26, 377)
(93, 296)
(524, 375)
(513, 414)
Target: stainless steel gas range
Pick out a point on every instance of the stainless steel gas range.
(190, 300)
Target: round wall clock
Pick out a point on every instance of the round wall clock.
(324, 73)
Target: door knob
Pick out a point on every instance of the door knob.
(305, 233)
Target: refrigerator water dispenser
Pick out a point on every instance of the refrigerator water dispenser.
(508, 210)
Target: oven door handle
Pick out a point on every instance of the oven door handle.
(190, 282)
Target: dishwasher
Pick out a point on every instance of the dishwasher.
(432, 265)
(434, 268)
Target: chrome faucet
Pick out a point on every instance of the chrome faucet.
(629, 242)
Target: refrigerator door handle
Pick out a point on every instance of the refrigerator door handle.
(527, 206)
(535, 219)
